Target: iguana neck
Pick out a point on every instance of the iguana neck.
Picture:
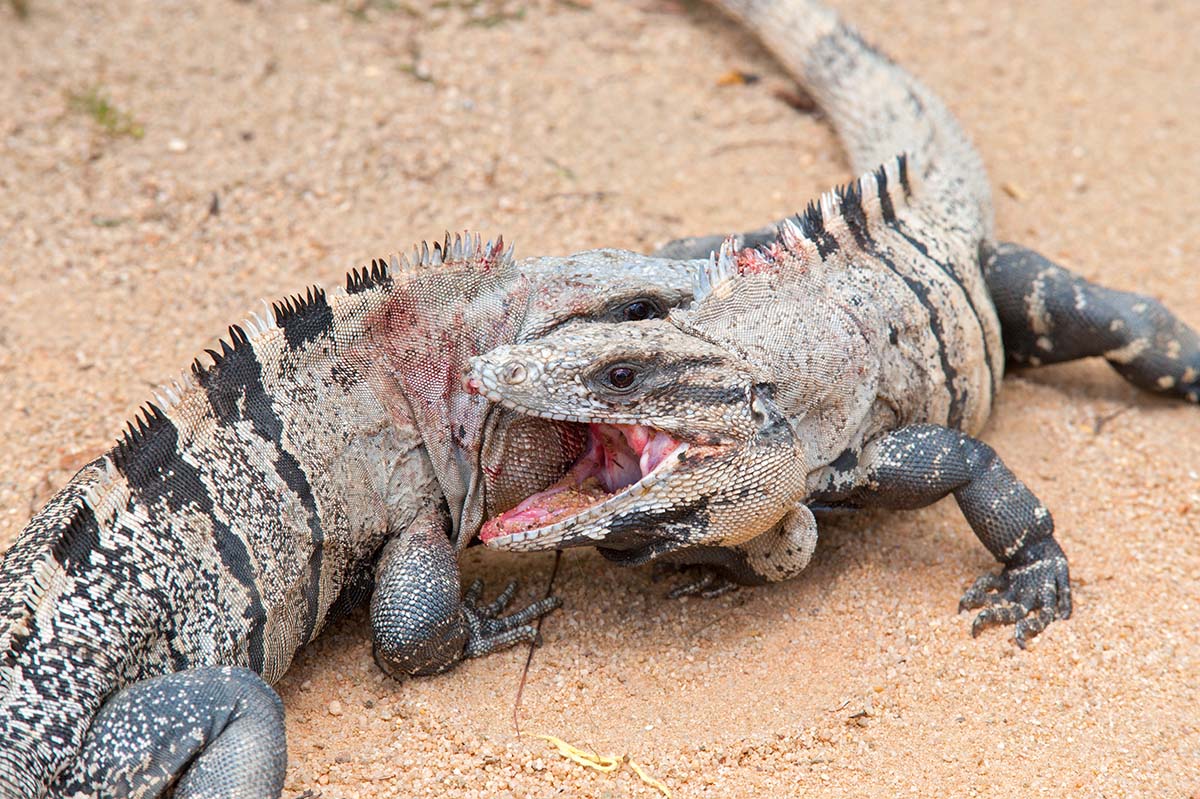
(419, 340)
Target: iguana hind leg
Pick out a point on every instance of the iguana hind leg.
(419, 622)
(918, 465)
(204, 732)
(1049, 315)
(778, 554)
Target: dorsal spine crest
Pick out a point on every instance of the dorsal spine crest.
(463, 249)
(294, 307)
(849, 214)
(368, 277)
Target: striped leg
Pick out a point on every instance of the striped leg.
(918, 465)
(203, 733)
(1049, 315)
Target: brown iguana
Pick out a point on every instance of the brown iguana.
(328, 441)
(847, 361)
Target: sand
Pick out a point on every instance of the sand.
(330, 133)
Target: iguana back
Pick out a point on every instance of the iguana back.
(222, 529)
(882, 113)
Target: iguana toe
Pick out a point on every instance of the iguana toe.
(705, 581)
(489, 632)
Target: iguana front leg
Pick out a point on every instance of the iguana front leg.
(205, 732)
(419, 623)
(1050, 315)
(918, 465)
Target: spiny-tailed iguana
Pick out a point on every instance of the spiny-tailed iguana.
(327, 441)
(848, 361)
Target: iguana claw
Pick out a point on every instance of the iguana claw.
(488, 631)
(1040, 585)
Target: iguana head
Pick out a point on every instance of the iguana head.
(429, 313)
(522, 454)
(701, 429)
(602, 286)
(684, 445)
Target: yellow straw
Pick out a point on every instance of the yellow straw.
(605, 763)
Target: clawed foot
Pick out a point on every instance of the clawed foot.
(489, 631)
(702, 581)
(1037, 582)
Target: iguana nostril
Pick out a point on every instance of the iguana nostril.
(515, 374)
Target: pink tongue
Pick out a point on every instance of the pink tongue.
(532, 503)
(618, 466)
(635, 435)
(660, 446)
(544, 508)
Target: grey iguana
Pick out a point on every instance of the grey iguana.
(848, 360)
(329, 441)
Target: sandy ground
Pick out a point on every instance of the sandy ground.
(331, 133)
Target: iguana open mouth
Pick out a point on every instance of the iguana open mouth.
(619, 460)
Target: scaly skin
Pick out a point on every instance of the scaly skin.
(327, 441)
(846, 359)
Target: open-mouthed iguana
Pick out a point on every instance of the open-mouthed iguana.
(848, 359)
(328, 441)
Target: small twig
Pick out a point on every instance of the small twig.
(1099, 422)
(533, 646)
(797, 99)
(598, 196)
(1013, 190)
(607, 764)
(751, 144)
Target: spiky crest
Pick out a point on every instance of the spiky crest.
(167, 396)
(239, 339)
(368, 277)
(69, 541)
(138, 431)
(720, 267)
(72, 538)
(295, 307)
(464, 248)
(855, 208)
(258, 323)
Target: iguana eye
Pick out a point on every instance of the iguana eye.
(641, 309)
(621, 377)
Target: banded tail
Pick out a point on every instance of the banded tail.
(877, 108)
